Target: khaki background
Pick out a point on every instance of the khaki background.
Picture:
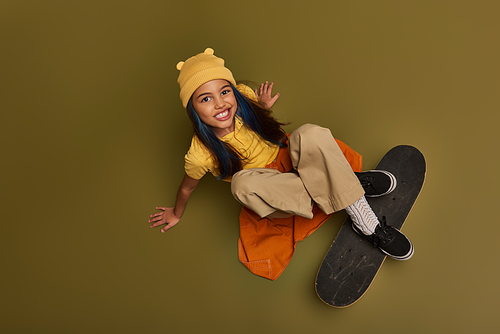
(93, 136)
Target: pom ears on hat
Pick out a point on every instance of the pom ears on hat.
(208, 51)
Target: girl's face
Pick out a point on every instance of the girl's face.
(216, 106)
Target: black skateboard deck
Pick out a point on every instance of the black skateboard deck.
(352, 262)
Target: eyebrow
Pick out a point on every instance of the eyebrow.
(222, 88)
(202, 95)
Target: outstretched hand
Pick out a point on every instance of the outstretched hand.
(165, 216)
(264, 95)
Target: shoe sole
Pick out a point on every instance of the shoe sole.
(399, 258)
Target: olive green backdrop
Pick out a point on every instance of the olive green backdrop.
(93, 137)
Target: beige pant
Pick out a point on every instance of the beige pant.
(321, 174)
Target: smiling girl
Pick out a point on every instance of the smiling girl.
(215, 105)
(274, 176)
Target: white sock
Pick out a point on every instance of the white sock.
(363, 216)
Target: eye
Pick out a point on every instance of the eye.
(226, 91)
(205, 99)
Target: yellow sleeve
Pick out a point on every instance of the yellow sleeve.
(193, 167)
(197, 161)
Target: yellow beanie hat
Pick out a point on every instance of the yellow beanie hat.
(198, 70)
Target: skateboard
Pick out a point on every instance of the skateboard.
(352, 262)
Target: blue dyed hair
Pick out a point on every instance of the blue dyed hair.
(247, 113)
(229, 161)
(216, 146)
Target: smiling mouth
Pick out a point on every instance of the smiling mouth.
(222, 114)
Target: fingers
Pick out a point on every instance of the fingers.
(155, 218)
(266, 88)
(155, 222)
(166, 228)
(157, 214)
(270, 87)
(165, 217)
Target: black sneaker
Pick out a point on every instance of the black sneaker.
(390, 241)
(377, 183)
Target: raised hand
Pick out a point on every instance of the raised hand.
(264, 95)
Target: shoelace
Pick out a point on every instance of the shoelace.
(383, 233)
(366, 184)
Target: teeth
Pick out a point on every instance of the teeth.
(222, 114)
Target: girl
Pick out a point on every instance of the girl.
(236, 137)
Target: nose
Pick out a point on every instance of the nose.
(219, 102)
